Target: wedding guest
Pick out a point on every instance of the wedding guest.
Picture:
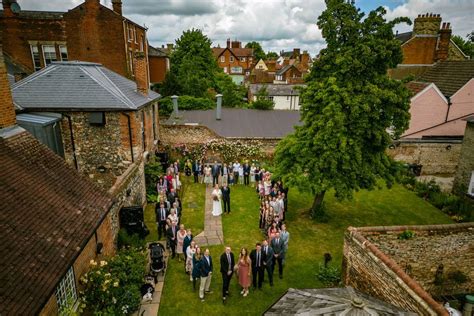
(187, 240)
(161, 186)
(257, 258)
(252, 174)
(161, 213)
(268, 251)
(172, 217)
(272, 231)
(244, 266)
(196, 274)
(231, 179)
(226, 198)
(172, 237)
(235, 168)
(216, 170)
(246, 172)
(196, 170)
(278, 253)
(241, 174)
(207, 175)
(169, 180)
(285, 237)
(188, 167)
(206, 274)
(180, 241)
(261, 223)
(176, 182)
(227, 269)
(171, 195)
(190, 251)
(257, 174)
(225, 174)
(261, 189)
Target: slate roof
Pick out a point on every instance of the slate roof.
(157, 52)
(449, 76)
(48, 213)
(334, 301)
(243, 123)
(403, 37)
(276, 89)
(285, 69)
(77, 85)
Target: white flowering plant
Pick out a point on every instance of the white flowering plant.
(112, 287)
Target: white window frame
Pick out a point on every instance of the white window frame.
(222, 59)
(130, 56)
(470, 190)
(61, 52)
(129, 35)
(66, 287)
(44, 55)
(141, 43)
(225, 69)
(135, 34)
(236, 70)
(242, 59)
(231, 59)
(32, 49)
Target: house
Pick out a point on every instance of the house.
(89, 32)
(53, 221)
(235, 60)
(159, 61)
(263, 72)
(289, 74)
(285, 96)
(107, 123)
(295, 56)
(428, 43)
(464, 180)
(378, 262)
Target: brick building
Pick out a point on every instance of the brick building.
(54, 221)
(159, 61)
(89, 32)
(289, 74)
(413, 273)
(235, 60)
(429, 42)
(108, 123)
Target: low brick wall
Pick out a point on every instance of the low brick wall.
(379, 264)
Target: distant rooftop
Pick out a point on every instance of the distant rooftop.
(78, 85)
(156, 51)
(276, 89)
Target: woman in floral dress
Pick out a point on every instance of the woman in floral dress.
(180, 238)
(190, 251)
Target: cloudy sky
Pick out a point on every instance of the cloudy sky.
(277, 24)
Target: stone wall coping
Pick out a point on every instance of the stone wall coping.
(420, 228)
(392, 265)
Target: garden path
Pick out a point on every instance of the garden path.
(212, 233)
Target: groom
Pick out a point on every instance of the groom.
(226, 198)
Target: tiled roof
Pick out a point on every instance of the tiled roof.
(48, 213)
(239, 52)
(276, 89)
(415, 86)
(41, 15)
(284, 69)
(403, 37)
(157, 52)
(79, 86)
(334, 301)
(449, 76)
(243, 123)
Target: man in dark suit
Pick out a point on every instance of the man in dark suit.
(171, 233)
(206, 274)
(246, 168)
(278, 247)
(216, 171)
(227, 269)
(161, 213)
(196, 171)
(172, 195)
(268, 263)
(226, 197)
(258, 258)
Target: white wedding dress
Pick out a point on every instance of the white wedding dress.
(216, 205)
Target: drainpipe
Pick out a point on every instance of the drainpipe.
(129, 134)
(449, 107)
(73, 145)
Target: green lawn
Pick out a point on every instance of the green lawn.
(308, 242)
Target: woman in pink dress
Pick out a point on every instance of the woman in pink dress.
(180, 237)
(244, 271)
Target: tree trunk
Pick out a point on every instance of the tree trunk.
(317, 204)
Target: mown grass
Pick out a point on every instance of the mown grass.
(308, 242)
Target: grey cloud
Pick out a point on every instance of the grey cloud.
(173, 7)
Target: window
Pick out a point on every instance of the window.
(49, 54)
(270, 98)
(471, 185)
(63, 51)
(242, 58)
(36, 57)
(222, 59)
(141, 43)
(236, 70)
(130, 57)
(225, 69)
(231, 59)
(130, 33)
(135, 34)
(66, 290)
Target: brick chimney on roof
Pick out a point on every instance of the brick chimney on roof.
(117, 6)
(228, 43)
(7, 110)
(236, 44)
(427, 24)
(443, 42)
(7, 11)
(141, 73)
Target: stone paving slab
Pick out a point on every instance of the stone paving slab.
(213, 233)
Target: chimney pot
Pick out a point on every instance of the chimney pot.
(219, 107)
(141, 73)
(117, 6)
(448, 25)
(228, 43)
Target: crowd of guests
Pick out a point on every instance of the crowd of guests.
(250, 266)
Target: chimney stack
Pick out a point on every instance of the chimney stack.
(219, 107)
(7, 10)
(7, 110)
(236, 44)
(427, 24)
(174, 99)
(443, 42)
(228, 43)
(141, 73)
(117, 6)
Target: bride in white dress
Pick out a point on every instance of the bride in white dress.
(216, 201)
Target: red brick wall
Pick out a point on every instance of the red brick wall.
(7, 111)
(419, 50)
(158, 68)
(51, 307)
(236, 63)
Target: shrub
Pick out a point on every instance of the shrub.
(329, 276)
(407, 234)
(185, 102)
(113, 287)
(263, 102)
(424, 189)
(125, 240)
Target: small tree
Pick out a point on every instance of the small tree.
(257, 50)
(232, 94)
(348, 108)
(466, 45)
(263, 101)
(272, 55)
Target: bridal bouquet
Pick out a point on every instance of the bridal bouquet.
(215, 198)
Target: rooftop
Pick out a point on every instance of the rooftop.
(77, 85)
(40, 15)
(48, 213)
(276, 89)
(157, 52)
(243, 123)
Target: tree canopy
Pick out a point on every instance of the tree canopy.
(263, 101)
(257, 50)
(466, 45)
(350, 109)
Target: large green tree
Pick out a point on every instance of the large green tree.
(193, 66)
(257, 50)
(351, 110)
(466, 45)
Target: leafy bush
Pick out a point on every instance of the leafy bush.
(125, 240)
(113, 287)
(407, 234)
(232, 94)
(153, 171)
(424, 189)
(185, 102)
(329, 276)
(263, 102)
